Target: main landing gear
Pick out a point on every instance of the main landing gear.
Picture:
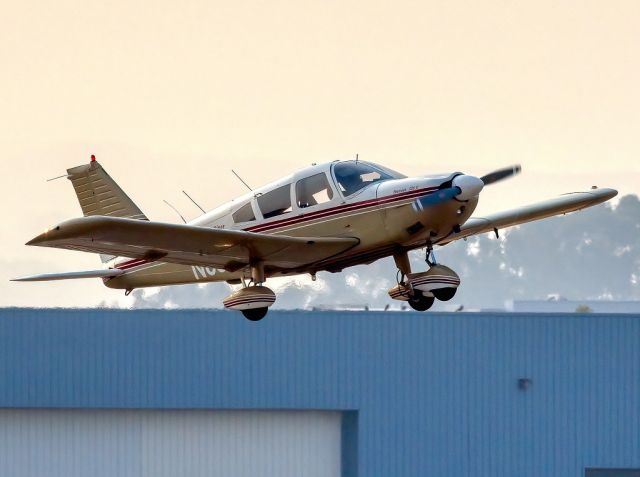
(255, 314)
(420, 290)
(253, 301)
(420, 302)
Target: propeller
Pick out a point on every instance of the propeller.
(464, 187)
(501, 174)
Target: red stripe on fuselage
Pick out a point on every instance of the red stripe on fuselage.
(132, 263)
(340, 209)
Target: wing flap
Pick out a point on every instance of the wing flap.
(188, 244)
(561, 205)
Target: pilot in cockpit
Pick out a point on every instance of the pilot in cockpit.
(352, 183)
(350, 180)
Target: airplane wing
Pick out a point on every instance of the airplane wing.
(561, 205)
(45, 277)
(187, 244)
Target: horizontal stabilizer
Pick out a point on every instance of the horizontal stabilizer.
(104, 273)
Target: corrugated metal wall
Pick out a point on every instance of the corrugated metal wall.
(168, 443)
(435, 394)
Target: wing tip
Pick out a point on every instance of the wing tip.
(43, 237)
(34, 241)
(29, 278)
(604, 193)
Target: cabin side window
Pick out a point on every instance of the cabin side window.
(244, 214)
(275, 202)
(313, 190)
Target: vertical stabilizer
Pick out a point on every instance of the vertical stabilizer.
(98, 194)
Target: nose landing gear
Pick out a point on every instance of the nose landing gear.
(420, 301)
(439, 280)
(445, 294)
(421, 289)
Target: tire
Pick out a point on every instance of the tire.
(420, 302)
(255, 314)
(444, 294)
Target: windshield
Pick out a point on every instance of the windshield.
(352, 176)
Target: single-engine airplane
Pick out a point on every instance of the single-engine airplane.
(326, 217)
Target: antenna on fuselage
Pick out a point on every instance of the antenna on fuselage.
(196, 204)
(59, 177)
(240, 179)
(356, 158)
(175, 210)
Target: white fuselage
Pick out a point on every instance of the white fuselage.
(379, 214)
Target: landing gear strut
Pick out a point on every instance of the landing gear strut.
(430, 256)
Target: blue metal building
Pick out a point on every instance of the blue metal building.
(389, 394)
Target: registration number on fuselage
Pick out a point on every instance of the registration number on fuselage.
(205, 272)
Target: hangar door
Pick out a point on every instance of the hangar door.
(156, 443)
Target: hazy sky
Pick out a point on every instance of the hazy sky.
(171, 95)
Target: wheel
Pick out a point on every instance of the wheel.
(444, 294)
(255, 314)
(419, 302)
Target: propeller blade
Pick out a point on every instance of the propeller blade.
(435, 198)
(501, 174)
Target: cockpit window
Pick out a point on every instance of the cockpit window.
(244, 214)
(275, 202)
(313, 190)
(391, 172)
(353, 176)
